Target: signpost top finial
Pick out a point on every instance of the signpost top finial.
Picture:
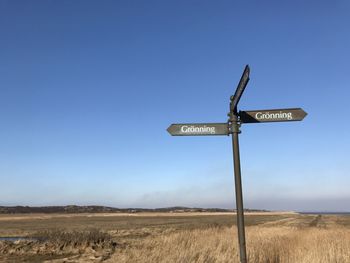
(240, 89)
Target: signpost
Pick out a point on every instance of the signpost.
(233, 127)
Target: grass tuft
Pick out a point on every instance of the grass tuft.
(76, 238)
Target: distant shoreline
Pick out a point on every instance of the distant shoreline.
(74, 209)
(324, 213)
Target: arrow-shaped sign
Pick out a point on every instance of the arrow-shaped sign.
(198, 129)
(240, 88)
(274, 115)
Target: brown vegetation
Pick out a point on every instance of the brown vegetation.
(54, 244)
(284, 238)
(265, 245)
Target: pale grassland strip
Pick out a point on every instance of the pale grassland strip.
(265, 244)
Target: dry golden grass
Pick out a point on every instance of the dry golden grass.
(178, 238)
(265, 245)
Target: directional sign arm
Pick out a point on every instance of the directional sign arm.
(198, 129)
(273, 115)
(240, 89)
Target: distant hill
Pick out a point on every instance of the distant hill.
(106, 209)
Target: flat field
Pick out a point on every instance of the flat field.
(174, 237)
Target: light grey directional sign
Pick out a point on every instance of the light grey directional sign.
(198, 129)
(240, 88)
(274, 115)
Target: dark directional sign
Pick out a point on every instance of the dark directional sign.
(197, 129)
(275, 115)
(240, 88)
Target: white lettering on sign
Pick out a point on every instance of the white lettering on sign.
(276, 115)
(194, 129)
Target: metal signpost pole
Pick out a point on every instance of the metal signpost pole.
(232, 127)
(238, 187)
(235, 124)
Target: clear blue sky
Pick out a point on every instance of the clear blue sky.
(88, 88)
